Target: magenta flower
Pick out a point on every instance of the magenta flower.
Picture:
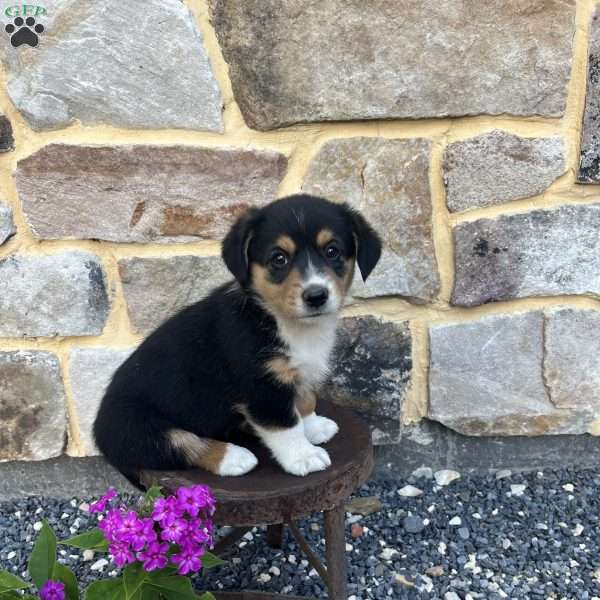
(188, 560)
(100, 505)
(111, 524)
(130, 525)
(173, 530)
(121, 554)
(195, 498)
(199, 531)
(166, 510)
(154, 557)
(53, 590)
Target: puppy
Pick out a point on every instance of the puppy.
(253, 353)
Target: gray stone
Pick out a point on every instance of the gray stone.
(572, 358)
(32, 406)
(413, 524)
(54, 295)
(156, 288)
(371, 372)
(7, 225)
(125, 64)
(589, 160)
(540, 253)
(388, 181)
(90, 372)
(143, 193)
(296, 61)
(485, 378)
(497, 167)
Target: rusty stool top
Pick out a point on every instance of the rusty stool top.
(268, 495)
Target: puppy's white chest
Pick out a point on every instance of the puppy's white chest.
(309, 350)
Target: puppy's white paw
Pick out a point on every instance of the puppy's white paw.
(318, 429)
(307, 459)
(237, 461)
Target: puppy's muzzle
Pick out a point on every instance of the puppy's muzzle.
(315, 296)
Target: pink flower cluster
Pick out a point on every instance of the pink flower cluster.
(179, 530)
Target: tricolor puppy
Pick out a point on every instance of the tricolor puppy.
(253, 353)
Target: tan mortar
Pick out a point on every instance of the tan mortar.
(300, 144)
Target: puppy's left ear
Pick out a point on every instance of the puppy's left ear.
(235, 246)
(367, 242)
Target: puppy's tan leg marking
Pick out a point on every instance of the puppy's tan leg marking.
(217, 457)
(280, 368)
(318, 430)
(306, 402)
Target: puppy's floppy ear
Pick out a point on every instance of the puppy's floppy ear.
(235, 246)
(367, 242)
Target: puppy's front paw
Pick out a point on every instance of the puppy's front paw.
(318, 429)
(307, 459)
(237, 461)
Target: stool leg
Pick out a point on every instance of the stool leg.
(335, 538)
(275, 535)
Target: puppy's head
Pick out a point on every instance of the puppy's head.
(298, 254)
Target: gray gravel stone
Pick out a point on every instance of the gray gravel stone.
(150, 68)
(485, 378)
(90, 372)
(32, 406)
(143, 193)
(540, 253)
(53, 295)
(371, 372)
(497, 167)
(413, 524)
(385, 60)
(388, 181)
(156, 288)
(7, 225)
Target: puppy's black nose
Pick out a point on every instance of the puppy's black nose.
(315, 295)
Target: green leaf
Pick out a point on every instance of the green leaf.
(107, 589)
(11, 594)
(153, 493)
(90, 540)
(64, 574)
(173, 587)
(9, 582)
(210, 561)
(43, 556)
(147, 504)
(134, 577)
(150, 593)
(206, 596)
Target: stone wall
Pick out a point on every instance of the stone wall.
(128, 150)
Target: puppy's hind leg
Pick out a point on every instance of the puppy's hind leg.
(217, 457)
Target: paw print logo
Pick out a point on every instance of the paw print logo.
(24, 32)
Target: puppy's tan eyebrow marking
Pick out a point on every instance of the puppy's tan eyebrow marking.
(285, 242)
(324, 237)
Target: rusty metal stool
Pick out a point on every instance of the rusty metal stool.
(269, 496)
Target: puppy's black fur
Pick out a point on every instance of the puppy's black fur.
(205, 369)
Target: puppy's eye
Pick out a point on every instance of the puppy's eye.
(332, 252)
(279, 259)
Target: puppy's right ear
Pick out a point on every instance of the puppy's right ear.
(236, 244)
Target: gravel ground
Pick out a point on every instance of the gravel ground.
(496, 536)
